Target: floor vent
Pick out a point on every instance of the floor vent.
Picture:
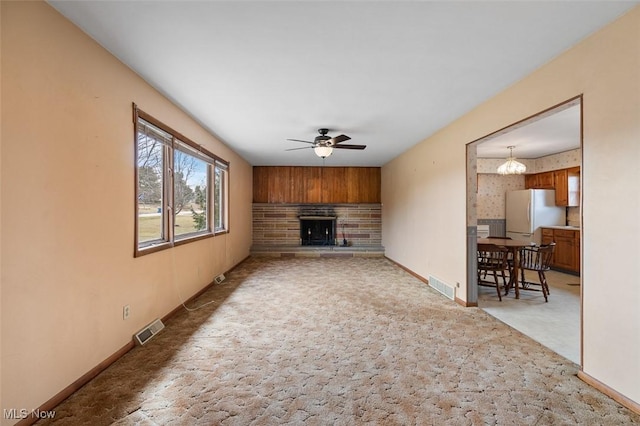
(442, 287)
(148, 332)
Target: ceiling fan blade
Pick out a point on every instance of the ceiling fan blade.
(295, 149)
(350, 146)
(298, 140)
(340, 138)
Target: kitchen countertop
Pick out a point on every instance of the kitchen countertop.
(572, 228)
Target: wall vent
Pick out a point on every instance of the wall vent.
(219, 278)
(442, 287)
(148, 332)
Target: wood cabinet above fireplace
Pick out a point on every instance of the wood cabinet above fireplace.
(309, 185)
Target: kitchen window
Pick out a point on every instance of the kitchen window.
(181, 188)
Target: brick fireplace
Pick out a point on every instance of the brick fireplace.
(317, 225)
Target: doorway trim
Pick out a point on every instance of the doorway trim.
(472, 189)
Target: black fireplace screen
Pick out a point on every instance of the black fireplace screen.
(317, 232)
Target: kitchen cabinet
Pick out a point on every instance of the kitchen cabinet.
(577, 255)
(567, 186)
(539, 181)
(544, 180)
(565, 252)
(566, 183)
(530, 181)
(566, 256)
(561, 182)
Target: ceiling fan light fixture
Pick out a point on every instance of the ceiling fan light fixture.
(323, 145)
(511, 166)
(323, 151)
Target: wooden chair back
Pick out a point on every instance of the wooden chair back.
(537, 258)
(492, 257)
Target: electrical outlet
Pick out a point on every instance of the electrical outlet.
(126, 311)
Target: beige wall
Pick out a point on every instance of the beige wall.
(423, 191)
(1, 221)
(68, 207)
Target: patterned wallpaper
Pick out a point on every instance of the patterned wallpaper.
(573, 216)
(472, 187)
(491, 194)
(562, 160)
(490, 202)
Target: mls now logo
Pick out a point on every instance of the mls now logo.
(23, 413)
(15, 413)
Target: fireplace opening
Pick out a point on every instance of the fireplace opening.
(317, 230)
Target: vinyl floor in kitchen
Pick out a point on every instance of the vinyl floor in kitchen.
(555, 324)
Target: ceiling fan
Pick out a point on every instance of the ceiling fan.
(323, 145)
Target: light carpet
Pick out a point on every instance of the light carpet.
(337, 341)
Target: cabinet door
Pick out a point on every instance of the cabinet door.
(546, 180)
(539, 181)
(573, 187)
(577, 253)
(530, 181)
(565, 253)
(547, 238)
(561, 187)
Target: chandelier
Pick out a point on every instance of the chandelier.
(511, 166)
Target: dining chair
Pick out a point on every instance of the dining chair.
(492, 260)
(538, 259)
(510, 259)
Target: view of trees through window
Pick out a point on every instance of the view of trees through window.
(189, 193)
(152, 150)
(174, 181)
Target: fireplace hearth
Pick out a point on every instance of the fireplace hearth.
(318, 230)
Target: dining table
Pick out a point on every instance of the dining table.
(514, 247)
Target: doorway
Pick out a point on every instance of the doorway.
(546, 142)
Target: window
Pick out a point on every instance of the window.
(151, 150)
(191, 178)
(220, 213)
(181, 188)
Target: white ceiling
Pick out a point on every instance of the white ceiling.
(550, 133)
(388, 73)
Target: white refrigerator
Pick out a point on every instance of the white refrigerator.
(528, 210)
